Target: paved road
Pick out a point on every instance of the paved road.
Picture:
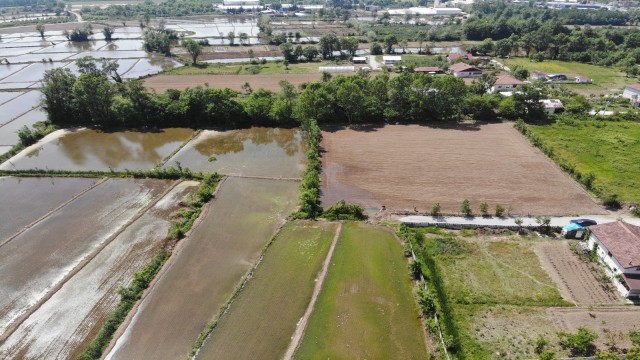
(506, 221)
(375, 66)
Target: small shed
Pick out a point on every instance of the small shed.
(360, 60)
(539, 75)
(573, 231)
(582, 80)
(337, 69)
(430, 70)
(391, 59)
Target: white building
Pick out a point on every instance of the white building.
(552, 106)
(240, 4)
(391, 59)
(632, 92)
(426, 11)
(505, 83)
(618, 247)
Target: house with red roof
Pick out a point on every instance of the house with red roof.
(617, 245)
(505, 83)
(463, 70)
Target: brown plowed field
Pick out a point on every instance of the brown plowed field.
(402, 166)
(161, 83)
(575, 278)
(612, 320)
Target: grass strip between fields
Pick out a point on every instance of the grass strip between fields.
(141, 280)
(169, 173)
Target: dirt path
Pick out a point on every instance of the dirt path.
(302, 324)
(575, 278)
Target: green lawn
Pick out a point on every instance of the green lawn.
(265, 313)
(603, 77)
(270, 68)
(609, 150)
(366, 308)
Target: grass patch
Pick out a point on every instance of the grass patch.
(282, 283)
(609, 150)
(365, 309)
(269, 68)
(603, 77)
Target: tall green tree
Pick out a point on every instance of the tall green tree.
(193, 48)
(92, 99)
(57, 90)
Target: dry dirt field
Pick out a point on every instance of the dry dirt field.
(575, 278)
(609, 321)
(402, 166)
(161, 83)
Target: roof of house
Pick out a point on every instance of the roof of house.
(458, 56)
(582, 77)
(392, 58)
(427, 69)
(552, 103)
(622, 240)
(460, 67)
(633, 281)
(634, 87)
(359, 58)
(507, 80)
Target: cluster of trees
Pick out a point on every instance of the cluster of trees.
(36, 5)
(159, 39)
(296, 53)
(148, 8)
(77, 34)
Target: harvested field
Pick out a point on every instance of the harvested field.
(39, 259)
(64, 325)
(283, 284)
(365, 309)
(402, 166)
(256, 151)
(574, 277)
(612, 320)
(203, 273)
(32, 198)
(161, 83)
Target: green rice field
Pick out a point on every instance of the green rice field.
(365, 309)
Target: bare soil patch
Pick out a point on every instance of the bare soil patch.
(575, 278)
(607, 322)
(270, 82)
(402, 166)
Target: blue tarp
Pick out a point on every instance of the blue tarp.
(572, 226)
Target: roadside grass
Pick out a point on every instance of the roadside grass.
(603, 77)
(610, 150)
(269, 68)
(365, 308)
(265, 313)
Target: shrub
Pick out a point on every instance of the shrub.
(465, 208)
(343, 211)
(414, 269)
(582, 343)
(484, 208)
(499, 211)
(541, 344)
(435, 209)
(611, 201)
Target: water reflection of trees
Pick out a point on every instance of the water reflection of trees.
(234, 141)
(113, 149)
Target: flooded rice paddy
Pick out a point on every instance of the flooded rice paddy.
(41, 257)
(257, 151)
(9, 131)
(64, 325)
(203, 273)
(100, 151)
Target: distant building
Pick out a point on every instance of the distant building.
(429, 70)
(455, 56)
(391, 59)
(311, 7)
(427, 11)
(240, 4)
(582, 80)
(359, 60)
(337, 69)
(552, 106)
(573, 231)
(463, 70)
(617, 245)
(632, 92)
(557, 77)
(372, 8)
(505, 83)
(569, 5)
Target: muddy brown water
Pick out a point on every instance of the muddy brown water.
(101, 151)
(35, 261)
(257, 151)
(205, 271)
(24, 200)
(71, 318)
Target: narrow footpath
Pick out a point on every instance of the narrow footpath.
(507, 221)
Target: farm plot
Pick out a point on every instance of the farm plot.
(32, 198)
(204, 272)
(574, 277)
(270, 82)
(365, 309)
(99, 151)
(9, 131)
(44, 256)
(268, 308)
(415, 166)
(64, 325)
(256, 151)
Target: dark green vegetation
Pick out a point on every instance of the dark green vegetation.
(144, 11)
(310, 207)
(365, 308)
(169, 172)
(453, 293)
(141, 280)
(602, 155)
